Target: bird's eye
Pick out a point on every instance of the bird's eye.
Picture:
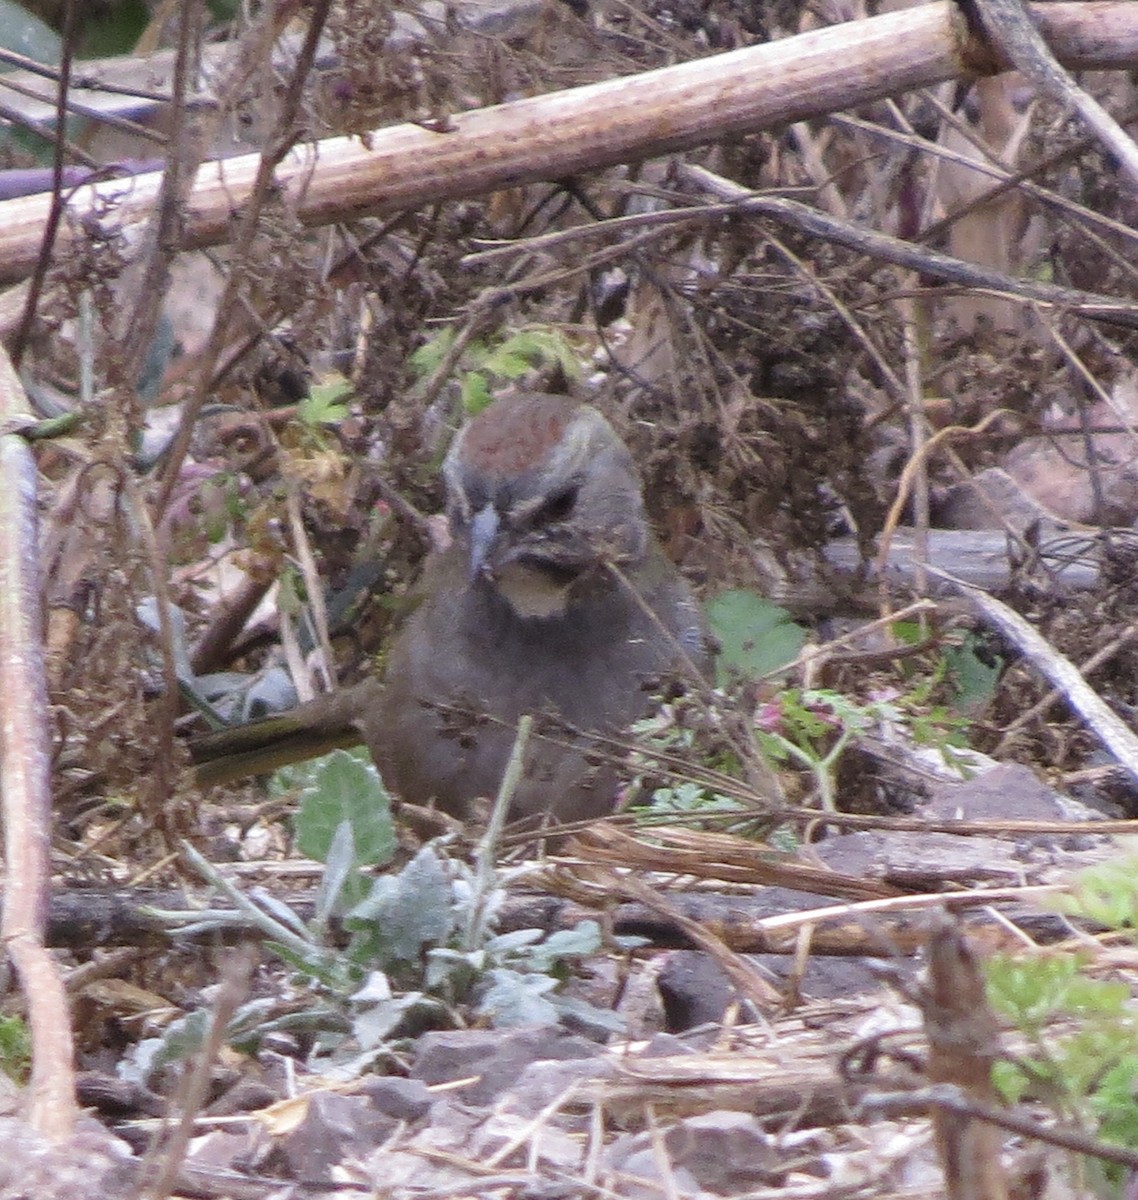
(558, 506)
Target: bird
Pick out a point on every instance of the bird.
(553, 598)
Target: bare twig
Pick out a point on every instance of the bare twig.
(1111, 730)
(151, 269)
(900, 253)
(283, 138)
(235, 979)
(229, 616)
(951, 1099)
(743, 973)
(1009, 26)
(51, 227)
(588, 128)
(963, 1046)
(1086, 219)
(1102, 655)
(485, 857)
(312, 584)
(131, 128)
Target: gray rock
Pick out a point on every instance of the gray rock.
(719, 1153)
(335, 1127)
(402, 1099)
(495, 1058)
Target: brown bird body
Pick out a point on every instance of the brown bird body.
(553, 598)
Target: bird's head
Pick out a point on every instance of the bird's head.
(543, 493)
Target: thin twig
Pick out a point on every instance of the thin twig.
(313, 585)
(236, 975)
(122, 124)
(485, 857)
(165, 231)
(1104, 722)
(51, 226)
(1090, 223)
(1010, 28)
(900, 253)
(951, 1099)
(284, 136)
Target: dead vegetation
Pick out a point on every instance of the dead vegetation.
(916, 314)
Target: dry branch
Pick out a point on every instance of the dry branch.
(983, 558)
(25, 784)
(1059, 671)
(1010, 28)
(589, 128)
(964, 1042)
(893, 250)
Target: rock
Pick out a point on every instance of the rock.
(1005, 792)
(89, 1165)
(494, 1057)
(547, 1147)
(991, 500)
(403, 1099)
(720, 1153)
(544, 1082)
(726, 1152)
(335, 1127)
(696, 990)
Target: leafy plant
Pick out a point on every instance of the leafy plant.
(812, 729)
(958, 682)
(15, 1048)
(341, 787)
(1082, 1029)
(325, 404)
(484, 361)
(973, 672)
(383, 955)
(755, 637)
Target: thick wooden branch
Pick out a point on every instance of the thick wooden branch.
(589, 128)
(25, 782)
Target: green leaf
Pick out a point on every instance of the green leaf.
(688, 797)
(755, 636)
(116, 31)
(475, 393)
(582, 940)
(538, 346)
(376, 1023)
(27, 35)
(516, 999)
(429, 356)
(15, 1048)
(974, 675)
(324, 405)
(324, 966)
(1114, 1103)
(1010, 1081)
(1107, 893)
(338, 868)
(182, 1038)
(342, 787)
(409, 911)
(1030, 991)
(507, 364)
(511, 942)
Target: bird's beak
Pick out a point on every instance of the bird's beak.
(483, 532)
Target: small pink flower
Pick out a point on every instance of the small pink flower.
(768, 717)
